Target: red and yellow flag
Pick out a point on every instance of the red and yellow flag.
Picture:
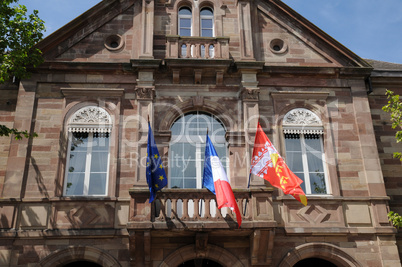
(268, 164)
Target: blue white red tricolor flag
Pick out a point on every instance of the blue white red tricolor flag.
(217, 182)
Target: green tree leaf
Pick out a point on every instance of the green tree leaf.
(19, 32)
(394, 108)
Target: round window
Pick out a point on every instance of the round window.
(114, 42)
(278, 46)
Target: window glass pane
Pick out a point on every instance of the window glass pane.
(206, 23)
(294, 161)
(176, 183)
(313, 142)
(206, 33)
(185, 32)
(75, 184)
(189, 169)
(177, 128)
(292, 142)
(99, 162)
(301, 176)
(97, 184)
(77, 162)
(206, 12)
(184, 11)
(185, 23)
(317, 181)
(100, 142)
(315, 162)
(190, 183)
(79, 142)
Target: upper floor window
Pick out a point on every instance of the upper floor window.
(87, 166)
(187, 148)
(207, 22)
(304, 149)
(185, 21)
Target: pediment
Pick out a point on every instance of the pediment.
(102, 34)
(288, 39)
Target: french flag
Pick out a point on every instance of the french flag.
(217, 182)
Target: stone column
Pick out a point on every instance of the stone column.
(145, 93)
(249, 94)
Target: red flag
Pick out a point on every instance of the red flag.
(268, 164)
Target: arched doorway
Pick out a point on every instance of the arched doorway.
(314, 262)
(79, 256)
(318, 251)
(213, 255)
(82, 263)
(200, 263)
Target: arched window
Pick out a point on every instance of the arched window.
(207, 29)
(185, 21)
(207, 22)
(87, 165)
(304, 149)
(187, 148)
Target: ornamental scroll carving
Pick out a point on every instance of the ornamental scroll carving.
(301, 116)
(91, 115)
(90, 119)
(302, 121)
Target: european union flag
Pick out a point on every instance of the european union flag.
(156, 176)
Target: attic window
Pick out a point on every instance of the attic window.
(278, 46)
(114, 42)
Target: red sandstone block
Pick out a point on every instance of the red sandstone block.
(41, 148)
(49, 130)
(295, 60)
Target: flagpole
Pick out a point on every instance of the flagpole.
(202, 183)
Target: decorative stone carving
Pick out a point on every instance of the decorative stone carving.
(91, 115)
(198, 101)
(90, 119)
(301, 116)
(201, 244)
(250, 94)
(145, 93)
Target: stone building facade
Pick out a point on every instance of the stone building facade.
(78, 194)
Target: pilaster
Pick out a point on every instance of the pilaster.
(19, 152)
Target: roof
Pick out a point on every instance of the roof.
(382, 65)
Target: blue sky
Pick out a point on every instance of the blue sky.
(370, 28)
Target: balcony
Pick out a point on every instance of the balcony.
(196, 209)
(192, 47)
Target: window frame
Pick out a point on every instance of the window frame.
(207, 17)
(199, 147)
(100, 124)
(302, 121)
(185, 16)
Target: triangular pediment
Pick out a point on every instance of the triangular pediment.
(102, 30)
(288, 39)
(112, 31)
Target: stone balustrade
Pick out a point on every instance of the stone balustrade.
(195, 208)
(197, 47)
